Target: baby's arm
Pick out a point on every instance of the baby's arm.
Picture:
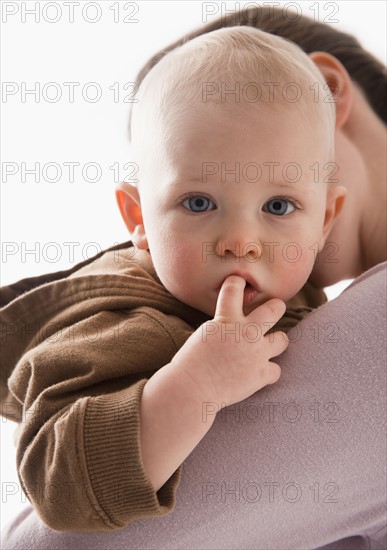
(76, 394)
(211, 368)
(79, 389)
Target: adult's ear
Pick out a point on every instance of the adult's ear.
(334, 205)
(129, 203)
(339, 83)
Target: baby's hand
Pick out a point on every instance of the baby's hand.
(225, 361)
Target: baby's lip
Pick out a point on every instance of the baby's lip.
(246, 276)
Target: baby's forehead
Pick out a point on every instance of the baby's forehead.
(248, 120)
(210, 142)
(250, 157)
(234, 99)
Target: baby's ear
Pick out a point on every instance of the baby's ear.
(334, 205)
(339, 82)
(129, 203)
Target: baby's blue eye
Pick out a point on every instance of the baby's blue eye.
(280, 206)
(197, 203)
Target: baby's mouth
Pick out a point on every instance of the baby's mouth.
(248, 287)
(250, 293)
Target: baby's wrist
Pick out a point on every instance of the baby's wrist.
(195, 384)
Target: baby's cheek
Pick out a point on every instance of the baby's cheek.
(183, 267)
(295, 270)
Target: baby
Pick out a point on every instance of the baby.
(233, 136)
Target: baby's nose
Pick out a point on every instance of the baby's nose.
(251, 249)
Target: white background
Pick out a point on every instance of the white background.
(34, 214)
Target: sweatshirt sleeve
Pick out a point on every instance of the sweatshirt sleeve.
(78, 450)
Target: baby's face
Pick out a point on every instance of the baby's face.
(234, 193)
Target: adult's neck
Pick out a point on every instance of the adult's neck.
(369, 133)
(359, 233)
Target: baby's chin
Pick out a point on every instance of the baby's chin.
(189, 300)
(207, 309)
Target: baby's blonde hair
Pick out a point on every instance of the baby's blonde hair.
(239, 58)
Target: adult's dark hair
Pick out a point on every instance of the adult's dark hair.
(362, 66)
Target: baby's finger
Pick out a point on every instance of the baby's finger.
(268, 314)
(273, 373)
(279, 341)
(230, 299)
